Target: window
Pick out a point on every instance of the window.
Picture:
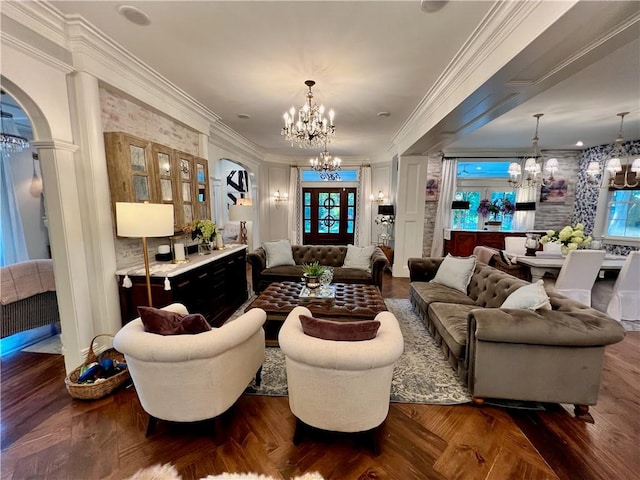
(624, 214)
(477, 180)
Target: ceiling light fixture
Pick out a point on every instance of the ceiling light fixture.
(10, 139)
(134, 15)
(616, 162)
(309, 128)
(327, 165)
(532, 164)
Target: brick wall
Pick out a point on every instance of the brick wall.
(120, 114)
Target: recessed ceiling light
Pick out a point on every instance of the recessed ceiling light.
(383, 114)
(134, 15)
(244, 116)
(430, 6)
(579, 143)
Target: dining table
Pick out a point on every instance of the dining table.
(549, 263)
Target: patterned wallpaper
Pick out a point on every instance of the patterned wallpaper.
(587, 195)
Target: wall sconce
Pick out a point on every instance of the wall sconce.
(278, 197)
(378, 199)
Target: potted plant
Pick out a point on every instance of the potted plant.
(569, 238)
(311, 273)
(205, 230)
(490, 209)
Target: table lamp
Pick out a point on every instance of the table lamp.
(242, 214)
(142, 220)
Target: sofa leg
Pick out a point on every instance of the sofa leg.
(259, 376)
(299, 432)
(151, 425)
(374, 440)
(477, 401)
(582, 412)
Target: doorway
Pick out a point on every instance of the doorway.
(329, 216)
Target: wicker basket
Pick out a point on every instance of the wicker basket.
(93, 391)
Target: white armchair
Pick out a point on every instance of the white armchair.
(186, 378)
(577, 275)
(620, 298)
(340, 386)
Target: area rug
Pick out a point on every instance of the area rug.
(169, 472)
(421, 375)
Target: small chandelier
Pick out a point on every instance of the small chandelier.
(327, 165)
(311, 129)
(10, 139)
(614, 164)
(532, 165)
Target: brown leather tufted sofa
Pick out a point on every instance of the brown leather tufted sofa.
(550, 356)
(328, 255)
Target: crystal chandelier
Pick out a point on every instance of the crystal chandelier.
(532, 165)
(310, 128)
(614, 164)
(327, 165)
(10, 139)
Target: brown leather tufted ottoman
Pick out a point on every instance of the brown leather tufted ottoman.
(352, 302)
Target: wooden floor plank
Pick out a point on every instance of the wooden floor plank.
(46, 434)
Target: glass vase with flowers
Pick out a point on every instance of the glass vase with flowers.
(569, 238)
(205, 230)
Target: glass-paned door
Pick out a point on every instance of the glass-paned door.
(329, 216)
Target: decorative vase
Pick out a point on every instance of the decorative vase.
(552, 248)
(493, 225)
(311, 282)
(205, 247)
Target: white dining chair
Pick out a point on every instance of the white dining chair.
(577, 275)
(515, 245)
(620, 298)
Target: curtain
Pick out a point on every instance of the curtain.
(363, 224)
(525, 220)
(295, 200)
(13, 246)
(443, 214)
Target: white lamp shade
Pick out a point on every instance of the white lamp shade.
(240, 213)
(144, 219)
(635, 166)
(530, 165)
(515, 169)
(593, 168)
(552, 165)
(613, 165)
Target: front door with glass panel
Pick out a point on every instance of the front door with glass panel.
(329, 216)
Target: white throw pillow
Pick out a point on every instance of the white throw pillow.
(455, 272)
(530, 297)
(278, 253)
(359, 257)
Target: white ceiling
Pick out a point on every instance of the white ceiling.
(252, 57)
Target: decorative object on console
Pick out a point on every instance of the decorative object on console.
(311, 129)
(386, 218)
(569, 238)
(531, 244)
(242, 214)
(206, 231)
(142, 220)
(618, 163)
(532, 164)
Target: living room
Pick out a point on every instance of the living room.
(75, 83)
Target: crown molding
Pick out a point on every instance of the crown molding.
(55, 145)
(221, 135)
(35, 53)
(598, 42)
(504, 21)
(40, 17)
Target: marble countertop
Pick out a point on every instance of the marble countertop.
(168, 269)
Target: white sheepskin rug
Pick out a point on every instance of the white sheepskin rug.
(169, 472)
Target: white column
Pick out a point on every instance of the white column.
(410, 199)
(95, 203)
(68, 237)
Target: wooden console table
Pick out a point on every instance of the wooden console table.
(214, 285)
(462, 242)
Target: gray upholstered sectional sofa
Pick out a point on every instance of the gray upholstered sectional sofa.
(328, 255)
(550, 356)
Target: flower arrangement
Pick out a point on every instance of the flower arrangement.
(487, 207)
(569, 238)
(204, 229)
(385, 219)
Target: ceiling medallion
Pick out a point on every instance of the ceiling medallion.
(309, 128)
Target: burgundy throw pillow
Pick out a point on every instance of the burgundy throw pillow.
(340, 331)
(165, 322)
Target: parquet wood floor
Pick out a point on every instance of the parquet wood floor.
(47, 435)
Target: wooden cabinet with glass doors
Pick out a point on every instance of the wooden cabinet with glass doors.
(140, 170)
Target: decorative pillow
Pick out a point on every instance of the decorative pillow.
(530, 297)
(165, 322)
(278, 253)
(359, 257)
(340, 331)
(455, 272)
